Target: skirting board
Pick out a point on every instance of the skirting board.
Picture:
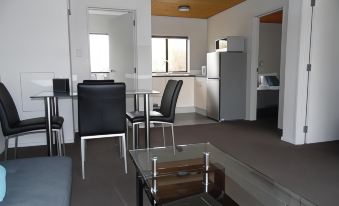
(201, 111)
(179, 110)
(288, 140)
(292, 141)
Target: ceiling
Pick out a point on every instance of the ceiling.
(202, 9)
(276, 17)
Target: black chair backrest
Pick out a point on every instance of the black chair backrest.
(90, 81)
(169, 98)
(101, 109)
(9, 115)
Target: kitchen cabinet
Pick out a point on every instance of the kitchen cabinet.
(200, 94)
(186, 97)
(159, 84)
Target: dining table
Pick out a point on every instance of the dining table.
(51, 104)
(146, 94)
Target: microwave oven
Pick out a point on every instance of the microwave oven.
(230, 44)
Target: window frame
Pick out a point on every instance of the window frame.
(109, 50)
(173, 37)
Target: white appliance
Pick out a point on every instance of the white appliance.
(230, 44)
(226, 85)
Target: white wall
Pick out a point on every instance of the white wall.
(323, 99)
(194, 29)
(323, 116)
(34, 49)
(296, 59)
(270, 48)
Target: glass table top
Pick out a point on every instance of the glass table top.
(181, 178)
(53, 94)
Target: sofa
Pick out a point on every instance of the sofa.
(40, 181)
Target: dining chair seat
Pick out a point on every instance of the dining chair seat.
(33, 124)
(12, 126)
(139, 116)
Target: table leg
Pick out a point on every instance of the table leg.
(54, 133)
(56, 106)
(139, 191)
(147, 122)
(136, 129)
(49, 134)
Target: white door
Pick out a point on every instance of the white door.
(323, 115)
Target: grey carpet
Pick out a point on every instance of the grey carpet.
(310, 170)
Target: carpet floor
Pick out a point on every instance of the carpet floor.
(309, 170)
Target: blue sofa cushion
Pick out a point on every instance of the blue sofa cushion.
(38, 181)
(2, 183)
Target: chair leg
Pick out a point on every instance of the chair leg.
(124, 151)
(120, 146)
(16, 146)
(63, 141)
(127, 133)
(53, 136)
(83, 157)
(133, 135)
(163, 134)
(173, 135)
(6, 148)
(56, 136)
(59, 143)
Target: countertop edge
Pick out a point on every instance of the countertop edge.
(191, 75)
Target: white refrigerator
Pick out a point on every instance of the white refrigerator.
(226, 85)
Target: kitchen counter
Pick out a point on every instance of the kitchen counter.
(178, 75)
(192, 97)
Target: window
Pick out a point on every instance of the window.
(99, 52)
(169, 54)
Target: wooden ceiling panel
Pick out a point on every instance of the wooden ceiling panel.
(202, 9)
(276, 17)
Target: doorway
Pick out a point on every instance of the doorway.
(112, 47)
(112, 51)
(269, 63)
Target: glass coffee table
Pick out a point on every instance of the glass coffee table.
(202, 175)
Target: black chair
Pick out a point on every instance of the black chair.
(90, 81)
(12, 126)
(102, 109)
(166, 113)
(106, 81)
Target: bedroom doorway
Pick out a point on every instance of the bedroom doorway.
(269, 66)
